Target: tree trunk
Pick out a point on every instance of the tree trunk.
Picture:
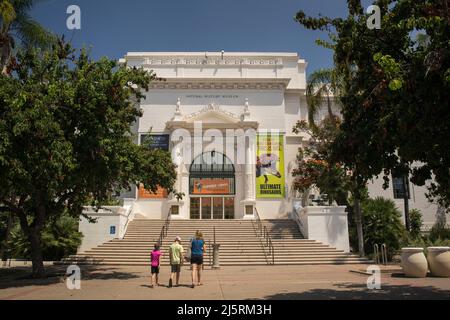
(359, 226)
(406, 202)
(36, 253)
(5, 56)
(4, 245)
(330, 111)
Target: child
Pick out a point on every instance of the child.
(155, 260)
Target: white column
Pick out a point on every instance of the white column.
(249, 177)
(250, 171)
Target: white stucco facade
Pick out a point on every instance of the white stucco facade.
(232, 91)
(259, 91)
(207, 95)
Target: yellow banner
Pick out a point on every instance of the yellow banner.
(270, 182)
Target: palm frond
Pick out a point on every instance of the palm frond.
(31, 32)
(7, 14)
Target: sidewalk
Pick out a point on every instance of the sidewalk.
(228, 283)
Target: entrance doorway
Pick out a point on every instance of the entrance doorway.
(212, 187)
(215, 208)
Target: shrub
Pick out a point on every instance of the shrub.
(439, 232)
(415, 218)
(60, 238)
(382, 225)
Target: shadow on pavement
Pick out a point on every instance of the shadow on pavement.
(349, 291)
(21, 276)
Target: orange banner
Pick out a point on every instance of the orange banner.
(161, 193)
(211, 186)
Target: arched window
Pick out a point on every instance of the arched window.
(212, 173)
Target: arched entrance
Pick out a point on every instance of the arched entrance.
(212, 187)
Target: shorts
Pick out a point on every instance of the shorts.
(196, 259)
(175, 267)
(155, 270)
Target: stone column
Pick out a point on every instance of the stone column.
(250, 170)
(249, 176)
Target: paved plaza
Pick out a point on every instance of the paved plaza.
(228, 283)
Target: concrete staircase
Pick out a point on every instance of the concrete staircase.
(239, 244)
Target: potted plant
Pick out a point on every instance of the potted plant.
(414, 262)
(439, 261)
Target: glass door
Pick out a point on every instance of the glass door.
(218, 208)
(206, 207)
(195, 208)
(229, 207)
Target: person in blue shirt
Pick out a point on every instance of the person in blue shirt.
(197, 251)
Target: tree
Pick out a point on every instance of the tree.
(16, 26)
(314, 167)
(397, 87)
(323, 85)
(321, 168)
(65, 137)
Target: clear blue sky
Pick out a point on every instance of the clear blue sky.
(113, 27)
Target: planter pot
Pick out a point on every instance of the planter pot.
(414, 262)
(439, 260)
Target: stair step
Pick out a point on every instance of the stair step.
(239, 242)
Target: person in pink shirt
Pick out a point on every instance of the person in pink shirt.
(155, 257)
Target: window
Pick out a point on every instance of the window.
(399, 187)
(175, 210)
(212, 173)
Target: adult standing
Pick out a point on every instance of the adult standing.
(197, 252)
(176, 252)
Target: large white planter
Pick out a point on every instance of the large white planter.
(439, 260)
(414, 262)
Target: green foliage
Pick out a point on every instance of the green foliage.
(439, 233)
(65, 136)
(396, 91)
(425, 242)
(60, 238)
(17, 27)
(314, 167)
(382, 224)
(416, 221)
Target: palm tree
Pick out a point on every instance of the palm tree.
(17, 26)
(322, 85)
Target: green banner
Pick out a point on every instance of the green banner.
(270, 181)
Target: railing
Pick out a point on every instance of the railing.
(165, 227)
(209, 252)
(257, 224)
(264, 237)
(376, 253)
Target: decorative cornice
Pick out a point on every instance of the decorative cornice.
(218, 84)
(197, 61)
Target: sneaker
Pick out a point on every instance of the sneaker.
(192, 286)
(151, 286)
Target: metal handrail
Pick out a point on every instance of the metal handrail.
(376, 253)
(257, 224)
(209, 252)
(269, 244)
(264, 237)
(165, 227)
(384, 254)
